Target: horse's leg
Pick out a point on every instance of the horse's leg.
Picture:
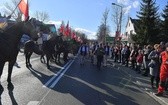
(26, 57)
(55, 55)
(59, 57)
(29, 59)
(48, 59)
(44, 58)
(10, 67)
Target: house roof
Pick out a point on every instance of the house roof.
(135, 23)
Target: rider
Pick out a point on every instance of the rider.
(40, 40)
(95, 46)
(100, 53)
(83, 52)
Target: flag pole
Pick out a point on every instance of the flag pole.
(14, 10)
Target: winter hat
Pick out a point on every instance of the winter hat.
(156, 46)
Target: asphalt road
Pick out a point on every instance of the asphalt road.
(71, 84)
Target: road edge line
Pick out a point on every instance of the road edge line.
(55, 75)
(59, 77)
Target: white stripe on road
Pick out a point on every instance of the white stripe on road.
(55, 75)
(69, 64)
(56, 81)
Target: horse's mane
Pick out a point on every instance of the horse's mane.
(55, 38)
(13, 25)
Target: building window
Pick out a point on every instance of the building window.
(126, 34)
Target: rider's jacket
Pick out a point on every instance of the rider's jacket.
(83, 50)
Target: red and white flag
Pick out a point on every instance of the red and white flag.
(67, 32)
(73, 36)
(24, 8)
(62, 27)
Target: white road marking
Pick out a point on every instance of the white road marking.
(55, 75)
(43, 99)
(59, 77)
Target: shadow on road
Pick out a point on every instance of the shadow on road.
(1, 91)
(92, 87)
(10, 92)
(91, 94)
(107, 86)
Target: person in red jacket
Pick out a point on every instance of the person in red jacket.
(163, 71)
(139, 60)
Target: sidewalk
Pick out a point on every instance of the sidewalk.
(143, 83)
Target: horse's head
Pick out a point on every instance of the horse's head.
(30, 29)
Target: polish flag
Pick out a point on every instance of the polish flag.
(67, 31)
(24, 8)
(62, 28)
(73, 35)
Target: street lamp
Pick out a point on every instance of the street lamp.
(120, 21)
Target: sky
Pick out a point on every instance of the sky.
(84, 15)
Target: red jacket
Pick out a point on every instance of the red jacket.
(139, 58)
(163, 70)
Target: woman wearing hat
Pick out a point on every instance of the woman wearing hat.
(163, 71)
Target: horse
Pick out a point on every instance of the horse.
(74, 46)
(63, 48)
(48, 49)
(29, 48)
(9, 42)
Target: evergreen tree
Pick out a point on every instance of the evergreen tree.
(164, 25)
(148, 27)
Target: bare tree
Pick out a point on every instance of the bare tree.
(116, 16)
(103, 29)
(42, 16)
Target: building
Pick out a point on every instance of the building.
(52, 28)
(131, 28)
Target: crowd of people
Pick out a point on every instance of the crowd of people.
(147, 60)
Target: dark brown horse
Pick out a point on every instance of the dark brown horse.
(29, 48)
(9, 41)
(48, 49)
